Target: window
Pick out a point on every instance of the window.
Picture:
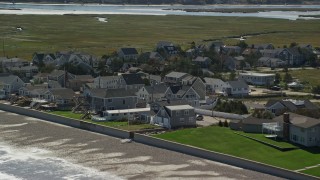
(177, 113)
(191, 119)
(109, 100)
(181, 120)
(186, 112)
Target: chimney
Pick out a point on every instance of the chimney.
(286, 126)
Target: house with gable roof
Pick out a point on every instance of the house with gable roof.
(193, 93)
(131, 81)
(46, 58)
(175, 116)
(9, 84)
(262, 46)
(214, 86)
(107, 82)
(128, 54)
(112, 99)
(237, 88)
(162, 44)
(62, 97)
(60, 76)
(174, 78)
(278, 107)
(201, 61)
(152, 93)
(299, 129)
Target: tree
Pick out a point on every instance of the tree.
(316, 89)
(293, 44)
(287, 78)
(232, 76)
(146, 82)
(225, 123)
(277, 78)
(220, 123)
(242, 44)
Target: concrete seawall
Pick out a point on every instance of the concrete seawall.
(223, 158)
(66, 121)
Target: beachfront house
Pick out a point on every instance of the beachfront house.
(299, 129)
(112, 99)
(175, 116)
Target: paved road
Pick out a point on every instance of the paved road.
(108, 154)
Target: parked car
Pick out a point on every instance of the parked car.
(199, 117)
(275, 88)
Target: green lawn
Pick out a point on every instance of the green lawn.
(306, 76)
(313, 171)
(115, 124)
(226, 141)
(51, 33)
(273, 141)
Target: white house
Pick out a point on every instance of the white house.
(214, 85)
(237, 88)
(261, 79)
(107, 82)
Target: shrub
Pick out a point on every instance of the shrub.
(225, 123)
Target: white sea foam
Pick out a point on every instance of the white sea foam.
(35, 163)
(4, 176)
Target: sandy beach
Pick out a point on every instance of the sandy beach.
(85, 152)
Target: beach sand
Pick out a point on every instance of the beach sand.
(107, 154)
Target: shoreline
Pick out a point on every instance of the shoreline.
(108, 154)
(217, 5)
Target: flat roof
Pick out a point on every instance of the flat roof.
(128, 110)
(256, 74)
(180, 107)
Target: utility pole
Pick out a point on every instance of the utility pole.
(3, 50)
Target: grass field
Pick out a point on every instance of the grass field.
(272, 141)
(313, 171)
(226, 141)
(50, 33)
(306, 76)
(115, 124)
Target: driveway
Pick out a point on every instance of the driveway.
(208, 121)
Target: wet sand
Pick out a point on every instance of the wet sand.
(107, 154)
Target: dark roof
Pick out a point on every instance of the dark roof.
(176, 74)
(256, 121)
(238, 84)
(156, 89)
(110, 93)
(7, 78)
(39, 56)
(129, 51)
(175, 89)
(56, 73)
(299, 120)
(172, 103)
(64, 93)
(131, 79)
(293, 104)
(201, 59)
(294, 51)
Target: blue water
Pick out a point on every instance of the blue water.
(152, 10)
